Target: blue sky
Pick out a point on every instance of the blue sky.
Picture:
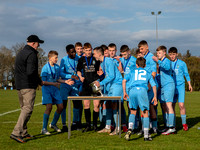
(64, 22)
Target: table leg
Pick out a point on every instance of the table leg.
(69, 119)
(120, 118)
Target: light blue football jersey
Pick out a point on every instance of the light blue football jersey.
(165, 72)
(50, 73)
(140, 77)
(112, 74)
(150, 63)
(180, 70)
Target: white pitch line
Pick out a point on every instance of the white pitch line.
(16, 110)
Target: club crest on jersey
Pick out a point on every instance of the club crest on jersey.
(93, 62)
(177, 66)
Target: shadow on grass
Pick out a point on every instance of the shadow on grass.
(39, 136)
(190, 121)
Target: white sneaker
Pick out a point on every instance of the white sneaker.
(128, 135)
(169, 131)
(45, 132)
(54, 127)
(115, 132)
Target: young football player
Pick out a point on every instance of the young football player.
(179, 71)
(128, 64)
(112, 85)
(167, 86)
(102, 108)
(68, 70)
(112, 48)
(87, 71)
(50, 91)
(150, 67)
(79, 49)
(138, 87)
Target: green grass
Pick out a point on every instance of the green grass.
(92, 140)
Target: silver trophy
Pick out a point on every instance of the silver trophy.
(96, 90)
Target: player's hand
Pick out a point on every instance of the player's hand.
(69, 82)
(75, 77)
(57, 84)
(97, 83)
(125, 97)
(154, 101)
(42, 83)
(82, 79)
(117, 58)
(100, 72)
(155, 58)
(190, 88)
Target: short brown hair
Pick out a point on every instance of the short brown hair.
(87, 45)
(52, 53)
(104, 47)
(162, 48)
(112, 45)
(99, 49)
(78, 44)
(141, 62)
(124, 48)
(142, 43)
(137, 51)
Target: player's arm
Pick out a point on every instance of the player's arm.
(153, 68)
(155, 96)
(125, 96)
(111, 75)
(69, 81)
(120, 68)
(187, 76)
(153, 85)
(79, 68)
(153, 75)
(119, 63)
(45, 82)
(165, 65)
(62, 72)
(80, 76)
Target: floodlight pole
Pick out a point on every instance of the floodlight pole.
(158, 13)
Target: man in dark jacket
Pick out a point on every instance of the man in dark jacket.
(27, 80)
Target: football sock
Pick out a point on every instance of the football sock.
(75, 115)
(131, 121)
(45, 121)
(183, 117)
(80, 114)
(154, 123)
(63, 117)
(174, 120)
(166, 119)
(108, 126)
(88, 117)
(115, 117)
(100, 114)
(95, 118)
(55, 118)
(171, 120)
(108, 116)
(146, 127)
(104, 116)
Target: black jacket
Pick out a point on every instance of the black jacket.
(26, 69)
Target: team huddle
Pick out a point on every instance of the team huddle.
(141, 82)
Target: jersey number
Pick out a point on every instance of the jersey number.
(139, 74)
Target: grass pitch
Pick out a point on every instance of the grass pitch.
(92, 140)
